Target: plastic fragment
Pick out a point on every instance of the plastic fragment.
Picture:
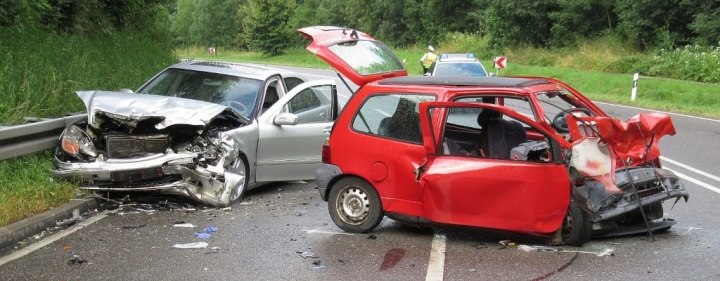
(76, 259)
(210, 229)
(319, 267)
(190, 225)
(307, 254)
(202, 235)
(195, 245)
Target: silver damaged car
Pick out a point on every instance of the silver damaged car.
(205, 130)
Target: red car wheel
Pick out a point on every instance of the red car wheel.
(354, 205)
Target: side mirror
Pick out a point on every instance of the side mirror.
(426, 74)
(491, 74)
(127, 91)
(285, 119)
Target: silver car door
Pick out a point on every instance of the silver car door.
(292, 132)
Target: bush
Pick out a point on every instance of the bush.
(695, 63)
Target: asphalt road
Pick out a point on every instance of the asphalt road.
(265, 236)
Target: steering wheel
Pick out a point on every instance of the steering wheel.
(240, 107)
(559, 122)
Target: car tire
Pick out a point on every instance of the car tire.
(355, 205)
(576, 227)
(238, 166)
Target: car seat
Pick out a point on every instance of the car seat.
(271, 97)
(404, 124)
(500, 136)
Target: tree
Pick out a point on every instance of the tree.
(654, 23)
(706, 21)
(182, 20)
(214, 22)
(266, 25)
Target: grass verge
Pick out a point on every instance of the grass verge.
(26, 187)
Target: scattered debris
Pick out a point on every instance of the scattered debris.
(299, 212)
(195, 245)
(210, 229)
(183, 224)
(227, 209)
(134, 226)
(202, 235)
(342, 261)
(480, 246)
(76, 217)
(307, 254)
(471, 270)
(316, 262)
(319, 267)
(507, 243)
(213, 250)
(372, 237)
(66, 247)
(76, 259)
(528, 248)
(40, 235)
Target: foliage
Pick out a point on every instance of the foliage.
(695, 63)
(41, 71)
(265, 25)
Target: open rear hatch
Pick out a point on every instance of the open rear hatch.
(354, 54)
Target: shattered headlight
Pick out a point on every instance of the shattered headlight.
(74, 141)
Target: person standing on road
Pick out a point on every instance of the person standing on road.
(427, 59)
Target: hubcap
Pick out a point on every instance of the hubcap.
(238, 167)
(353, 205)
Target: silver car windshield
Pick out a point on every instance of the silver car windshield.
(460, 69)
(235, 92)
(367, 57)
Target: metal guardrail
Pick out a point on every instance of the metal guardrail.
(29, 138)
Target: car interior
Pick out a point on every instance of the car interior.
(498, 137)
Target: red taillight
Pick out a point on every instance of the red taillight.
(326, 151)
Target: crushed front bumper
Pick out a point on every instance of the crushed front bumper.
(169, 173)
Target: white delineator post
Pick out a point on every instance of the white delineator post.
(633, 93)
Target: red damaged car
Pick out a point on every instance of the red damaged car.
(526, 155)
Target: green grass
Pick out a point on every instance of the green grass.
(39, 74)
(26, 187)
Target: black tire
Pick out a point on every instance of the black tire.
(354, 205)
(577, 227)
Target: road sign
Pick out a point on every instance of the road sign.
(211, 50)
(500, 62)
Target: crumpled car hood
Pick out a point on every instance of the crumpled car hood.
(133, 108)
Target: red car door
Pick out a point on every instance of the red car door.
(524, 196)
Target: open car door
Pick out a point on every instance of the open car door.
(292, 132)
(515, 194)
(359, 57)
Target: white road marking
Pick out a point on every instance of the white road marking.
(695, 181)
(676, 163)
(47, 241)
(436, 265)
(670, 113)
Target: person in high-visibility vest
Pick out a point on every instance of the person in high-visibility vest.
(427, 59)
